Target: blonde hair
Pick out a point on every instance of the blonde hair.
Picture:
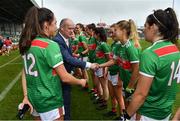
(131, 29)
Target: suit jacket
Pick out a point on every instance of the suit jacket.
(69, 61)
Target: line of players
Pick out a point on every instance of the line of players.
(120, 69)
(90, 44)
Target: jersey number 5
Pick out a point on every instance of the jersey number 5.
(29, 70)
(175, 74)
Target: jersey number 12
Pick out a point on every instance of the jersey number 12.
(29, 70)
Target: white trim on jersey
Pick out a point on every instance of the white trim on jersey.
(115, 57)
(61, 62)
(107, 53)
(134, 61)
(144, 74)
(155, 43)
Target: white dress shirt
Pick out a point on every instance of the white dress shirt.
(66, 40)
(88, 64)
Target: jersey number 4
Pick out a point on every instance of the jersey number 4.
(175, 74)
(29, 70)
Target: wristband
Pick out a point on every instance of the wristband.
(126, 115)
(130, 90)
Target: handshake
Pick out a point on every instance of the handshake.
(95, 66)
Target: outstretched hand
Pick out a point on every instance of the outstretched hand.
(83, 82)
(94, 66)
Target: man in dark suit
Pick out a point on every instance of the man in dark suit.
(66, 30)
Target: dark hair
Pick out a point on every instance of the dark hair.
(167, 23)
(81, 26)
(100, 31)
(34, 22)
(91, 26)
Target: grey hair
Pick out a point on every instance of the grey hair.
(62, 23)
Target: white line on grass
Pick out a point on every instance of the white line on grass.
(9, 62)
(8, 88)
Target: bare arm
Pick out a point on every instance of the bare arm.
(86, 48)
(68, 78)
(75, 51)
(24, 86)
(140, 94)
(107, 64)
(177, 115)
(134, 76)
(24, 83)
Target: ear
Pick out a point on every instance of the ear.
(46, 25)
(155, 27)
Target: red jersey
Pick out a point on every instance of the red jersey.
(7, 42)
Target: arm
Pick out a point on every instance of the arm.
(68, 78)
(134, 76)
(25, 99)
(107, 64)
(105, 72)
(75, 51)
(86, 48)
(177, 115)
(70, 59)
(139, 96)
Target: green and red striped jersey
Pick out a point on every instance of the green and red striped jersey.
(161, 61)
(92, 44)
(101, 50)
(125, 55)
(43, 84)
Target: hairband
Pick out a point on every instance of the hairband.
(159, 21)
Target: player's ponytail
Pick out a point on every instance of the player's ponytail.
(131, 30)
(172, 25)
(34, 22)
(133, 33)
(166, 22)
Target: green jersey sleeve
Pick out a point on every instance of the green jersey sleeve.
(148, 64)
(106, 48)
(133, 54)
(82, 39)
(53, 55)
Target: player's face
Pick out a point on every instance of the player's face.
(96, 37)
(148, 32)
(88, 31)
(78, 29)
(118, 33)
(68, 29)
(112, 33)
(73, 36)
(52, 27)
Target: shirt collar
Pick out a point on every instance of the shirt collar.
(125, 44)
(158, 41)
(63, 37)
(155, 43)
